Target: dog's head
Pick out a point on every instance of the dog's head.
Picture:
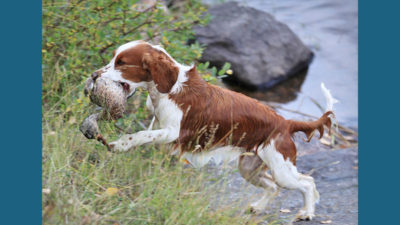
(137, 63)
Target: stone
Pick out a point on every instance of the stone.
(261, 50)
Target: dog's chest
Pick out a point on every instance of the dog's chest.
(166, 111)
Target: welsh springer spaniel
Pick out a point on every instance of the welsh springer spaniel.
(209, 122)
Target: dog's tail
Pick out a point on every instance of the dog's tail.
(310, 127)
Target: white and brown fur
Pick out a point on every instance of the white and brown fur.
(206, 122)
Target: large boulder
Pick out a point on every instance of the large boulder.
(261, 50)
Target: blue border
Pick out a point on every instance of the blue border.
(379, 85)
(20, 160)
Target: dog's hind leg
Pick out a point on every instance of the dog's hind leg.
(285, 173)
(253, 169)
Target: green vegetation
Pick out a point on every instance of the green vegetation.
(82, 182)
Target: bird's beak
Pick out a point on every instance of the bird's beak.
(88, 86)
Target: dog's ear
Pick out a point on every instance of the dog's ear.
(162, 69)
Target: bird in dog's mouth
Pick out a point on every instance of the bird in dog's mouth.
(91, 81)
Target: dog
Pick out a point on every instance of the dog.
(208, 122)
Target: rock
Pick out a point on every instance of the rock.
(261, 50)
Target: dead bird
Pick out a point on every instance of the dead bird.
(91, 130)
(109, 95)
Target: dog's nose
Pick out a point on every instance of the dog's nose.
(94, 76)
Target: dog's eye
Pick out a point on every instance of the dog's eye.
(120, 62)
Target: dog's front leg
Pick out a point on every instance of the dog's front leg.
(128, 141)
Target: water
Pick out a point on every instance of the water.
(330, 29)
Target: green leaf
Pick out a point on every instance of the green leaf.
(224, 69)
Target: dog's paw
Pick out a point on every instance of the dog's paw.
(118, 146)
(304, 215)
(123, 144)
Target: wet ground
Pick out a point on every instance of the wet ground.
(336, 177)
